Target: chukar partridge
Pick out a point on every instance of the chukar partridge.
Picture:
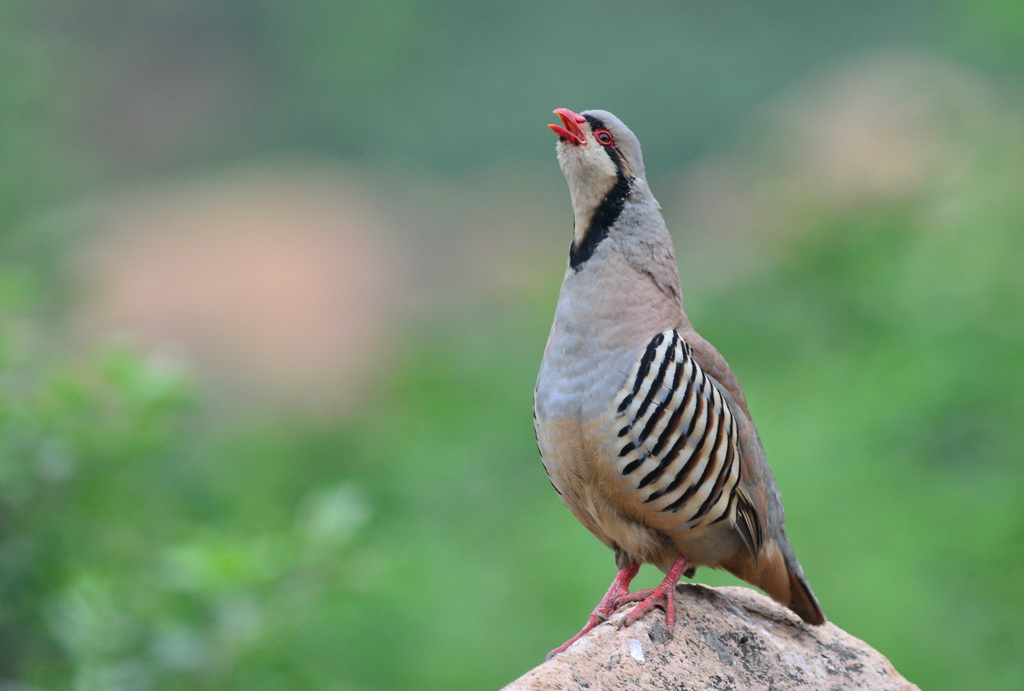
(642, 427)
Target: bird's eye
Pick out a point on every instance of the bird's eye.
(605, 137)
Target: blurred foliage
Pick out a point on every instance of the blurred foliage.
(149, 539)
(902, 398)
(36, 141)
(446, 84)
(141, 550)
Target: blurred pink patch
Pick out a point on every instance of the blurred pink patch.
(278, 285)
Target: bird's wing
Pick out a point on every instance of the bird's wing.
(678, 442)
(757, 481)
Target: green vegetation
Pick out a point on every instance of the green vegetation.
(153, 536)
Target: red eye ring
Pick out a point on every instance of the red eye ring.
(604, 137)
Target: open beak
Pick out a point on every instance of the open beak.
(570, 129)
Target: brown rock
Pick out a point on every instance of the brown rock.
(725, 638)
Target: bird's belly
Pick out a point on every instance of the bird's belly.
(586, 478)
(575, 418)
(582, 475)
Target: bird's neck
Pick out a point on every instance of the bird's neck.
(628, 279)
(622, 236)
(594, 217)
(608, 298)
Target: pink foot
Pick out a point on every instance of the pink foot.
(663, 596)
(609, 603)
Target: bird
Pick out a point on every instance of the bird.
(642, 427)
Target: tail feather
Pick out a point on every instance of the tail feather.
(781, 579)
(802, 600)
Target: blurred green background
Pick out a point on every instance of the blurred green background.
(276, 277)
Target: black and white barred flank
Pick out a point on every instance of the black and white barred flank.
(679, 438)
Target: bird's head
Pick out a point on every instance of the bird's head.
(601, 161)
(596, 150)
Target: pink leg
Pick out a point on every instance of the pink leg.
(618, 590)
(663, 596)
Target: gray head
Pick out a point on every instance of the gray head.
(595, 145)
(602, 163)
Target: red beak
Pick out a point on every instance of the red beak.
(571, 131)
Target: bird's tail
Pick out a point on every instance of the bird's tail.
(802, 600)
(781, 577)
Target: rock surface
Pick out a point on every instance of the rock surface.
(725, 638)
